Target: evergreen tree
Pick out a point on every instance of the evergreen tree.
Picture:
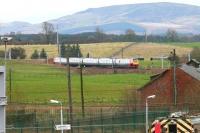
(43, 54)
(67, 51)
(62, 50)
(88, 55)
(35, 55)
(73, 51)
(78, 51)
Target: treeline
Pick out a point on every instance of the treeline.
(70, 50)
(97, 37)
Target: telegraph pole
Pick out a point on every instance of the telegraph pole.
(58, 45)
(174, 77)
(122, 52)
(5, 40)
(82, 93)
(57, 41)
(146, 37)
(10, 78)
(69, 90)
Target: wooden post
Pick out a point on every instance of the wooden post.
(82, 93)
(174, 77)
(69, 90)
(10, 79)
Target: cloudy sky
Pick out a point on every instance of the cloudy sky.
(35, 11)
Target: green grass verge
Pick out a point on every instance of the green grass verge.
(154, 64)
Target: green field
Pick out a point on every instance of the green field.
(147, 64)
(188, 45)
(33, 83)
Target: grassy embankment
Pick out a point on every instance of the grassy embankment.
(146, 50)
(40, 83)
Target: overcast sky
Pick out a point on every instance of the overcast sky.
(35, 11)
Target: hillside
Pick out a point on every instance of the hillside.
(153, 49)
(108, 49)
(154, 17)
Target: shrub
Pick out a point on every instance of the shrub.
(43, 54)
(18, 53)
(35, 55)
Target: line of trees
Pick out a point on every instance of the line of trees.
(48, 36)
(71, 50)
(39, 55)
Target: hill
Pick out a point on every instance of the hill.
(154, 17)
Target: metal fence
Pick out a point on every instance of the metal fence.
(94, 122)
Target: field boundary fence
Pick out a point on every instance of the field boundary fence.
(94, 122)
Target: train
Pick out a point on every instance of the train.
(99, 62)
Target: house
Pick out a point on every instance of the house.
(163, 86)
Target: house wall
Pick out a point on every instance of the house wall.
(188, 89)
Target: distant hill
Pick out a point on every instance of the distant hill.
(156, 18)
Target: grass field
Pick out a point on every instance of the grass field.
(146, 64)
(152, 49)
(40, 83)
(102, 49)
(188, 45)
(146, 50)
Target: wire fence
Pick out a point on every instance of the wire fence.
(101, 121)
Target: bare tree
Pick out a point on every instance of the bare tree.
(99, 34)
(48, 31)
(130, 35)
(172, 35)
(130, 32)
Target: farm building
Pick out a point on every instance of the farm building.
(162, 85)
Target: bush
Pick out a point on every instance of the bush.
(2, 54)
(43, 54)
(71, 50)
(18, 53)
(35, 55)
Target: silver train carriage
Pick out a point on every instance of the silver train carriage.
(106, 62)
